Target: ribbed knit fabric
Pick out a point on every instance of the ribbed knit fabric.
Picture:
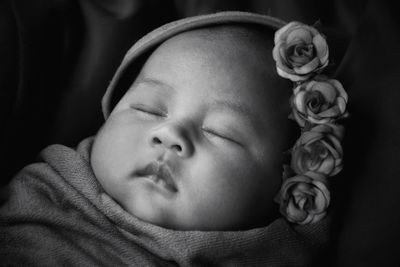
(56, 213)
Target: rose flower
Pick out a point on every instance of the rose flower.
(304, 198)
(318, 150)
(319, 101)
(300, 51)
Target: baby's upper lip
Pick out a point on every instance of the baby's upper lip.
(161, 171)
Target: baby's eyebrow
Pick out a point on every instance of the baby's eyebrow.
(158, 83)
(239, 108)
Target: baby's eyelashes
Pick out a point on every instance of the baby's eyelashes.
(146, 110)
(211, 133)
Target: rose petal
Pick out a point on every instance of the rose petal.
(321, 67)
(282, 62)
(298, 61)
(282, 33)
(309, 85)
(316, 176)
(335, 154)
(275, 52)
(312, 163)
(302, 202)
(317, 217)
(321, 203)
(318, 120)
(299, 101)
(292, 77)
(299, 53)
(327, 166)
(293, 44)
(301, 179)
(337, 130)
(335, 142)
(301, 189)
(299, 199)
(341, 104)
(325, 106)
(327, 90)
(336, 146)
(284, 68)
(338, 168)
(300, 120)
(308, 220)
(309, 137)
(295, 214)
(311, 115)
(330, 113)
(309, 67)
(315, 101)
(330, 128)
(296, 90)
(339, 88)
(321, 47)
(322, 129)
(321, 183)
(283, 54)
(285, 188)
(301, 33)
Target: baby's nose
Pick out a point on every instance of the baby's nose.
(174, 137)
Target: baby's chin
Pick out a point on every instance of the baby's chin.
(166, 220)
(160, 219)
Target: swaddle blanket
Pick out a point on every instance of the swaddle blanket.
(56, 213)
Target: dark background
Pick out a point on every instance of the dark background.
(58, 56)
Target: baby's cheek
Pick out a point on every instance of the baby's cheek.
(109, 155)
(221, 195)
(97, 158)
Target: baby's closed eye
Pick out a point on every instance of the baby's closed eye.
(223, 135)
(148, 110)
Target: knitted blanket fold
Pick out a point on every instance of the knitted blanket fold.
(56, 213)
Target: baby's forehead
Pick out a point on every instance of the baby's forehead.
(235, 61)
(251, 39)
(223, 50)
(229, 48)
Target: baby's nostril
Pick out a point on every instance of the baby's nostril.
(156, 140)
(177, 148)
(173, 146)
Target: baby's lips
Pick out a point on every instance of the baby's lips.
(160, 170)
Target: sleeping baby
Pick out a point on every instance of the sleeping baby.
(187, 168)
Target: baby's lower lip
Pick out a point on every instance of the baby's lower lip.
(159, 181)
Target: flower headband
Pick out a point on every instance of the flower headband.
(301, 54)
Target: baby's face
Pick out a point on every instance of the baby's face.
(196, 142)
